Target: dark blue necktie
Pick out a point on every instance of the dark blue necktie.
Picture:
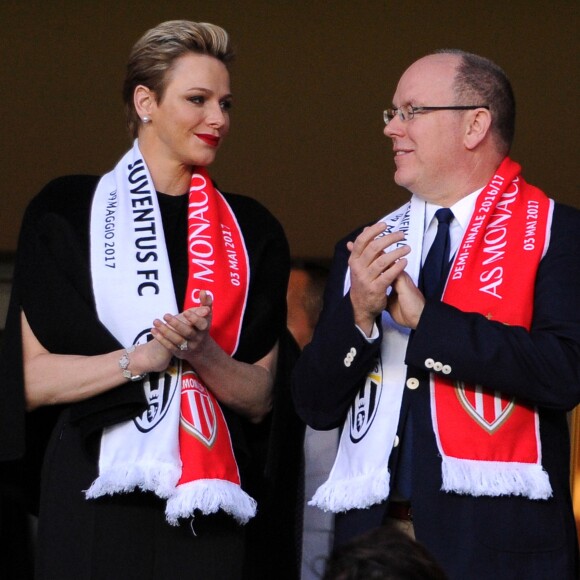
(437, 261)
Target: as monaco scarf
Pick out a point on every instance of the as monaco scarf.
(180, 448)
(489, 443)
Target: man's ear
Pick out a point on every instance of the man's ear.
(477, 127)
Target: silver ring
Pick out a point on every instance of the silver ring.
(183, 345)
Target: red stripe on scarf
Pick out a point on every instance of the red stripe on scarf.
(218, 264)
(494, 274)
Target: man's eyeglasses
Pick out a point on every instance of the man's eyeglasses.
(407, 112)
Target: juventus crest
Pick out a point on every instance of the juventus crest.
(364, 408)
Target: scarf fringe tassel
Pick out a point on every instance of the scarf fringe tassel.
(208, 496)
(495, 478)
(124, 479)
(360, 491)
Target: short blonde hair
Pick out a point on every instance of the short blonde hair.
(155, 53)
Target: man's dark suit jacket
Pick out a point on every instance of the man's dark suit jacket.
(472, 537)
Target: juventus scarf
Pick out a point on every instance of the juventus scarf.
(489, 443)
(180, 448)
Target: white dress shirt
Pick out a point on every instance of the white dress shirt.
(462, 212)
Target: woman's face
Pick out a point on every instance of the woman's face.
(187, 126)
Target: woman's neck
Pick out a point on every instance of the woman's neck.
(171, 181)
(169, 175)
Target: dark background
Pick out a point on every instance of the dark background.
(310, 83)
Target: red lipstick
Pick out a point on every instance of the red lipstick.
(211, 140)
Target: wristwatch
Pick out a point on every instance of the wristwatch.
(124, 362)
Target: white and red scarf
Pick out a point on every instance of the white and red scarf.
(489, 443)
(180, 448)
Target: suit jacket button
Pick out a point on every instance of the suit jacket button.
(429, 363)
(446, 369)
(396, 443)
(412, 383)
(437, 367)
(349, 357)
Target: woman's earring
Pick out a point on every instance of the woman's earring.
(146, 120)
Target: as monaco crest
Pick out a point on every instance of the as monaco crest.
(198, 416)
(489, 411)
(364, 408)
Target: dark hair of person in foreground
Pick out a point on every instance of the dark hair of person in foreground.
(384, 553)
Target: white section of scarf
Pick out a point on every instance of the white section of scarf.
(360, 476)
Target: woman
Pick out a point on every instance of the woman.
(144, 298)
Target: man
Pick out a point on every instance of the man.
(452, 380)
(304, 297)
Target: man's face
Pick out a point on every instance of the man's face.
(429, 148)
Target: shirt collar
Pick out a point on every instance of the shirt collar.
(462, 210)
